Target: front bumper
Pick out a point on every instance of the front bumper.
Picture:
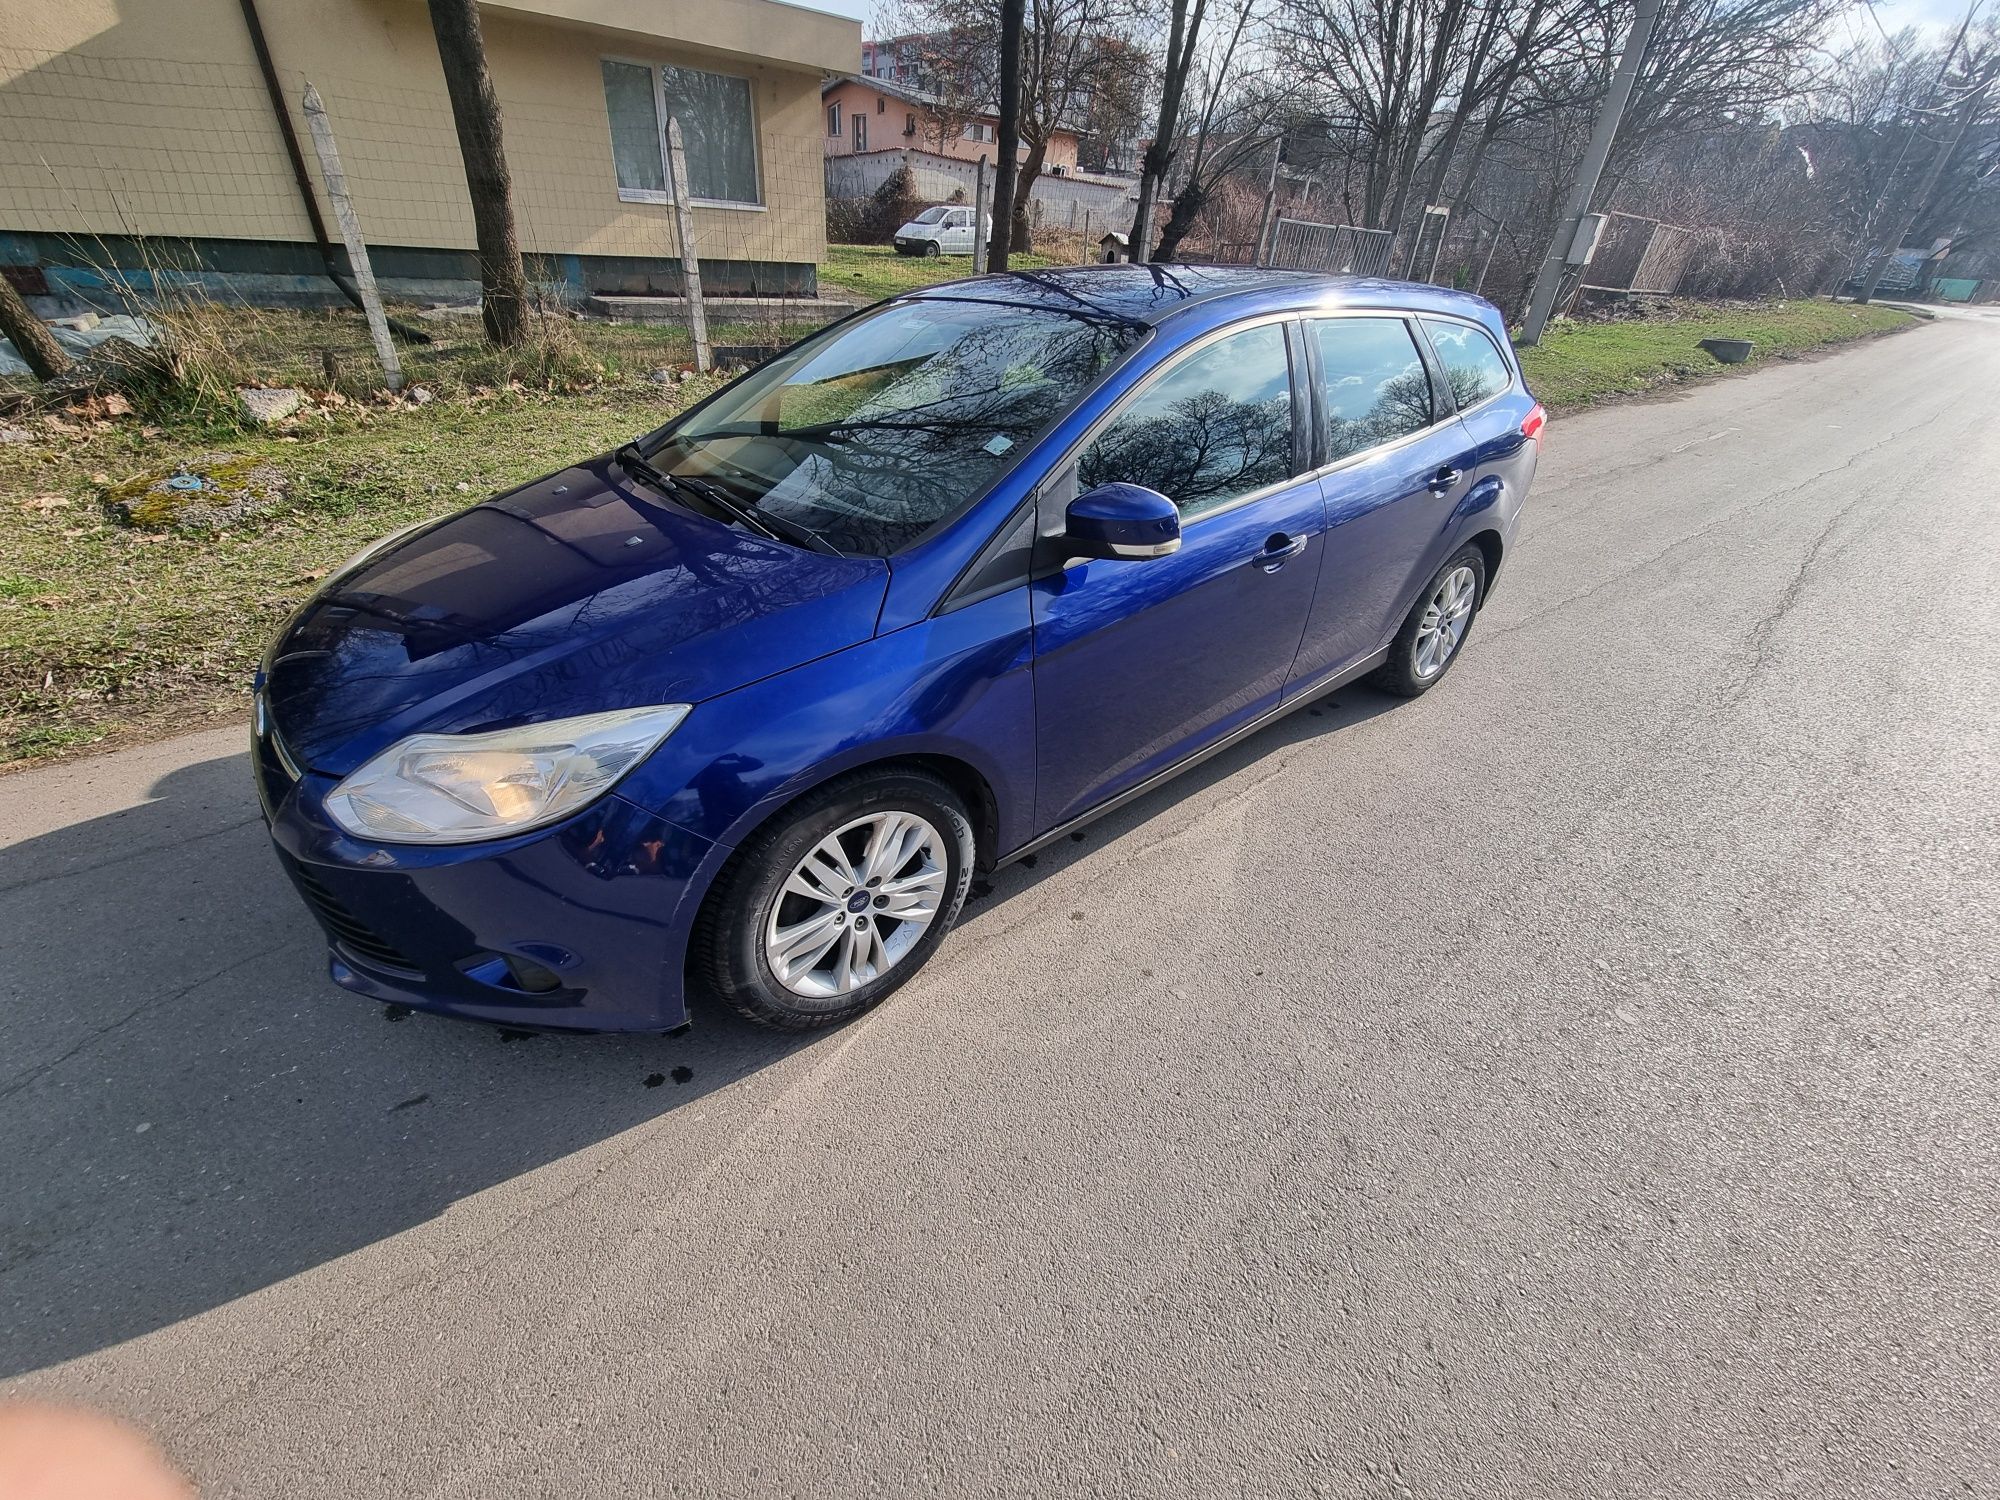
(594, 913)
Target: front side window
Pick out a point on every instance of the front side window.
(1214, 427)
(869, 434)
(1472, 361)
(718, 131)
(1373, 382)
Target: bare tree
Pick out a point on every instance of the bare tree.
(1183, 48)
(1081, 68)
(475, 109)
(1240, 109)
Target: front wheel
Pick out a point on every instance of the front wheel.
(1435, 628)
(932, 249)
(841, 898)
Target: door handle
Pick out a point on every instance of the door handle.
(1277, 548)
(1445, 478)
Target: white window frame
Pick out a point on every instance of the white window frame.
(833, 119)
(649, 195)
(860, 119)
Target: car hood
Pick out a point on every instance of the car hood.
(580, 593)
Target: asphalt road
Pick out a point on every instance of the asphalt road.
(1578, 1083)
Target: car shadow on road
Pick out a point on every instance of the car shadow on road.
(191, 1111)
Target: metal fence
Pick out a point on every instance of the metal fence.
(1641, 255)
(1305, 246)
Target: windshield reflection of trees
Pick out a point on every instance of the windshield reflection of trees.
(925, 429)
(1402, 405)
(1201, 450)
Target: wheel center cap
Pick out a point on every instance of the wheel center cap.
(858, 901)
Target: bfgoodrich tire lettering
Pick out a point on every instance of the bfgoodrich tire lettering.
(834, 903)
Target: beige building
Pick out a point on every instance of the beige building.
(141, 137)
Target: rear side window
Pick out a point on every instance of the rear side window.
(1373, 382)
(1472, 361)
(1214, 427)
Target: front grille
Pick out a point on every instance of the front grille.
(348, 930)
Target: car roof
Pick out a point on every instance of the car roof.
(1152, 294)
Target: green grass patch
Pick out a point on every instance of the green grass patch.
(872, 272)
(1580, 363)
(106, 630)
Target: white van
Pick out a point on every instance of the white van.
(944, 230)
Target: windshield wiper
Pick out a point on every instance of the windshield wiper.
(718, 499)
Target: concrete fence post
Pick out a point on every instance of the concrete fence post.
(980, 192)
(350, 231)
(704, 358)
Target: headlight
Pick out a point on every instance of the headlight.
(458, 788)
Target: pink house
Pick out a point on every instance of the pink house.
(863, 115)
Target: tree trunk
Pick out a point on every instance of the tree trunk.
(1188, 204)
(1024, 191)
(503, 284)
(31, 336)
(1182, 36)
(1013, 21)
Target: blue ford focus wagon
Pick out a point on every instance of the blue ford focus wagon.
(737, 710)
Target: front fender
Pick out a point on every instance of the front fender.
(958, 685)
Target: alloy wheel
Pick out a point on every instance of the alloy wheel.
(1445, 619)
(858, 902)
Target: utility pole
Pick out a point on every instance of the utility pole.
(1921, 200)
(1548, 281)
(1013, 22)
(1880, 264)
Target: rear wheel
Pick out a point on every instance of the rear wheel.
(1435, 629)
(825, 911)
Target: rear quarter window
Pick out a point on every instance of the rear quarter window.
(1473, 363)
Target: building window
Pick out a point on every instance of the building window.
(833, 119)
(718, 129)
(881, 105)
(978, 131)
(860, 132)
(910, 123)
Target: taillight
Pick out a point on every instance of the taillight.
(1533, 423)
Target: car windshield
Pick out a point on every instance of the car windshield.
(872, 432)
(929, 216)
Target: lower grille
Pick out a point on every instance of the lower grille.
(347, 929)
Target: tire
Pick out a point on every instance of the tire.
(739, 945)
(932, 249)
(1413, 667)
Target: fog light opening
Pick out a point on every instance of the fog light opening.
(525, 974)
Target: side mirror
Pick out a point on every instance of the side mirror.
(1122, 521)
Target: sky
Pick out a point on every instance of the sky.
(1935, 17)
(1938, 16)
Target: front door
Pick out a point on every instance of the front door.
(1141, 663)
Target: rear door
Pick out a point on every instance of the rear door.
(1141, 663)
(1492, 402)
(1392, 470)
